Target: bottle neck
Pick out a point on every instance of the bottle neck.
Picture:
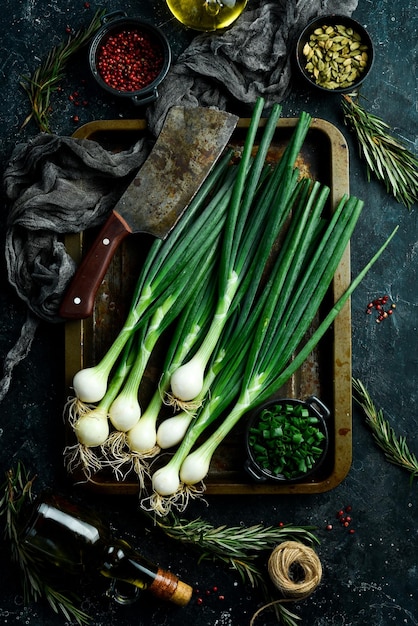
(121, 562)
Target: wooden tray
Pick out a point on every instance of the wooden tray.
(326, 373)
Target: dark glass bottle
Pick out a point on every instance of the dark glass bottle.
(61, 534)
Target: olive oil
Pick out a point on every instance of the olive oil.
(206, 15)
(68, 539)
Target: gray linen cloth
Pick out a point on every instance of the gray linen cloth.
(251, 59)
(57, 185)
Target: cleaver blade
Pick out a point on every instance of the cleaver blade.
(190, 142)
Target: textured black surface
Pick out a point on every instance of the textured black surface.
(370, 577)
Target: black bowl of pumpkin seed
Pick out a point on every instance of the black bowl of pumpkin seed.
(335, 53)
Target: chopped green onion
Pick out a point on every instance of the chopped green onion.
(291, 449)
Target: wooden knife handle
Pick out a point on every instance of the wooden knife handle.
(78, 301)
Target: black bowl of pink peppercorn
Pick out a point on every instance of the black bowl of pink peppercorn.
(129, 58)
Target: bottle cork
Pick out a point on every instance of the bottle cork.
(168, 587)
(183, 593)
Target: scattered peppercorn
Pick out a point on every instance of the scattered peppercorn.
(380, 305)
(345, 520)
(208, 593)
(75, 99)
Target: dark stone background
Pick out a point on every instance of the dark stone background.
(370, 578)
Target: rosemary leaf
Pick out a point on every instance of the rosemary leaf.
(390, 162)
(60, 603)
(233, 541)
(45, 79)
(395, 448)
(17, 493)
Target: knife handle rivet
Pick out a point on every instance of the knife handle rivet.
(77, 300)
(106, 241)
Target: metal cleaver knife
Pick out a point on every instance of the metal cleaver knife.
(185, 151)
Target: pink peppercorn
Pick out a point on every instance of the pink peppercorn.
(129, 60)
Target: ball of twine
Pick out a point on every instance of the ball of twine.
(295, 570)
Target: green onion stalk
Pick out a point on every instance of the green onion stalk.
(90, 423)
(278, 347)
(259, 386)
(163, 317)
(134, 440)
(172, 430)
(187, 381)
(165, 285)
(119, 407)
(189, 328)
(166, 271)
(246, 244)
(235, 346)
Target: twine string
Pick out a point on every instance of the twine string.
(295, 570)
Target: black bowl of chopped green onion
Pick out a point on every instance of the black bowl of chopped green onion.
(287, 439)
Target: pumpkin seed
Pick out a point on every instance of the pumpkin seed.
(335, 56)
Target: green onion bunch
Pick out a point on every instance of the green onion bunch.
(228, 290)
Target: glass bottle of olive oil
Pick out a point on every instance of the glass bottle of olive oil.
(206, 15)
(63, 537)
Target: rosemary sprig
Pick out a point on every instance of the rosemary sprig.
(390, 161)
(16, 494)
(45, 79)
(232, 543)
(395, 448)
(239, 547)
